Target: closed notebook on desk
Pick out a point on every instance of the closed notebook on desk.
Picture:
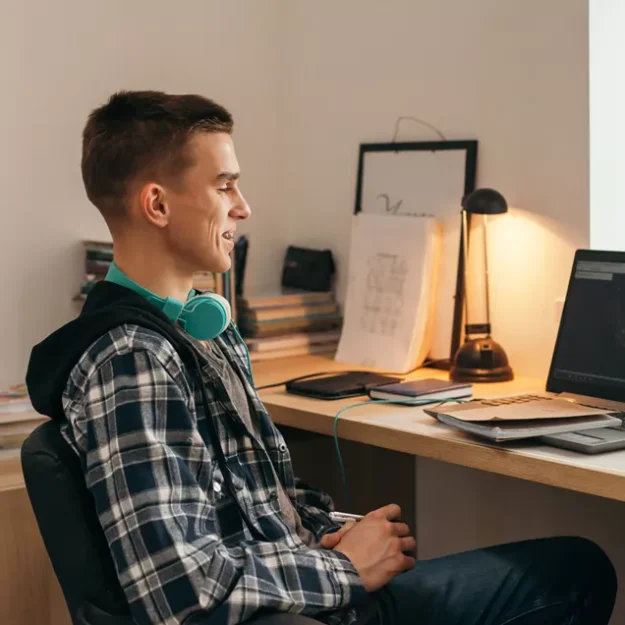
(421, 389)
(339, 386)
(502, 431)
(500, 410)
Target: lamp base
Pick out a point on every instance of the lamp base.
(481, 360)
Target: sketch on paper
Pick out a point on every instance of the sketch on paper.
(389, 206)
(384, 296)
(390, 292)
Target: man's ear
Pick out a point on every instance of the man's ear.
(154, 205)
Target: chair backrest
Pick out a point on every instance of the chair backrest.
(71, 532)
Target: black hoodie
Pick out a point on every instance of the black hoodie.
(108, 306)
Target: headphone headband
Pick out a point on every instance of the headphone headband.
(204, 316)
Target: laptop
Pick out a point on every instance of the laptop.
(588, 362)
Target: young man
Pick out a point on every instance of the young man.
(192, 483)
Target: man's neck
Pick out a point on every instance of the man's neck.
(155, 272)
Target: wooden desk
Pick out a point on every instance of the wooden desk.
(29, 592)
(410, 430)
(456, 507)
(11, 477)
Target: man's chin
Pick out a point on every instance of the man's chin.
(218, 265)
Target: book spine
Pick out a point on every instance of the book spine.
(252, 331)
(292, 340)
(286, 300)
(289, 313)
(305, 350)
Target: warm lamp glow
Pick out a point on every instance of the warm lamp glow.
(528, 283)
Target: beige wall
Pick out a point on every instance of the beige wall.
(307, 81)
(511, 74)
(61, 59)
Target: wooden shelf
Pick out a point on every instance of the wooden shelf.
(11, 476)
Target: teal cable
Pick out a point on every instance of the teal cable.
(371, 402)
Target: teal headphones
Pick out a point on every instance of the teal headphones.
(203, 316)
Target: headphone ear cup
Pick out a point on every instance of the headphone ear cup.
(206, 316)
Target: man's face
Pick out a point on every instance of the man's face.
(205, 204)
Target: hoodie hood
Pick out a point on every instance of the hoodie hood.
(107, 306)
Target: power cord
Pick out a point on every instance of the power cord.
(372, 402)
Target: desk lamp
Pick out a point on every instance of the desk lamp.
(480, 359)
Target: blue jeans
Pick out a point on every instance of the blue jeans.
(552, 581)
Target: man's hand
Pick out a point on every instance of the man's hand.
(377, 546)
(330, 541)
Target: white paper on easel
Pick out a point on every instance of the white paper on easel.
(391, 292)
(423, 181)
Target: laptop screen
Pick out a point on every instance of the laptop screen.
(589, 356)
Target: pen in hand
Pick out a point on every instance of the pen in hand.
(343, 517)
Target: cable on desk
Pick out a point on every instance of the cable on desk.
(371, 402)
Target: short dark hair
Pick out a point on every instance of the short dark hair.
(139, 132)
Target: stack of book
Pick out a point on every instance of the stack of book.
(98, 255)
(289, 324)
(17, 418)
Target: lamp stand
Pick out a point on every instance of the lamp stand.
(479, 359)
(459, 295)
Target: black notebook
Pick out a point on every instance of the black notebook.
(422, 389)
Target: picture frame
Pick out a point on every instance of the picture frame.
(421, 179)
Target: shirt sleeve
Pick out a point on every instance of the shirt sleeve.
(136, 436)
(314, 507)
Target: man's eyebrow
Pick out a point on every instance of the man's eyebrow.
(229, 175)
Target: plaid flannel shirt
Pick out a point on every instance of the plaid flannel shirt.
(136, 418)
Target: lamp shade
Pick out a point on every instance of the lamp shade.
(485, 202)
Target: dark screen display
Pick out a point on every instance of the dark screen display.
(591, 344)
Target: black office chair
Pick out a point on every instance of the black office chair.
(74, 538)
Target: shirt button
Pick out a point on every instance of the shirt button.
(282, 447)
(273, 495)
(217, 487)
